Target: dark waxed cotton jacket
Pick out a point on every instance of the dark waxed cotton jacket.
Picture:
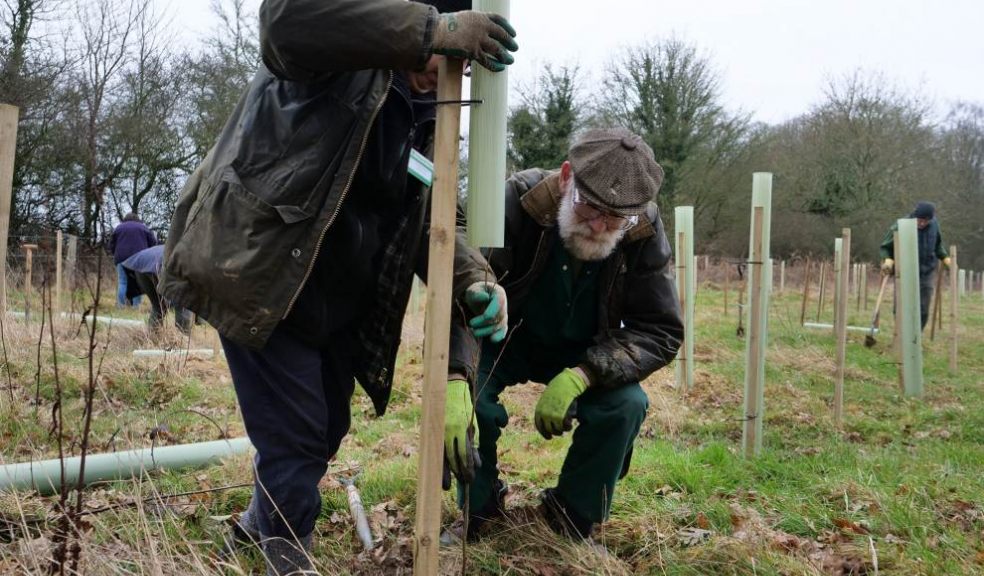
(250, 222)
(930, 244)
(639, 321)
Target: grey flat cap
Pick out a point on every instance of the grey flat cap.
(614, 168)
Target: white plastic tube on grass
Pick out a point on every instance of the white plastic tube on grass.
(45, 475)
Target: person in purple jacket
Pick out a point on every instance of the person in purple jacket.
(128, 238)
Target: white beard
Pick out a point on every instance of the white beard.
(578, 237)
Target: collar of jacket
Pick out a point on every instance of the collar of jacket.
(541, 203)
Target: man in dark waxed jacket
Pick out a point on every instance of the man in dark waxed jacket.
(298, 236)
(931, 250)
(593, 311)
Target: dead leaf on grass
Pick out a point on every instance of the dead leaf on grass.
(848, 526)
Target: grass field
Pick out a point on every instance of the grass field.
(899, 489)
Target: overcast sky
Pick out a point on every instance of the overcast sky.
(773, 56)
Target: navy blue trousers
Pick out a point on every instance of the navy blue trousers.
(295, 405)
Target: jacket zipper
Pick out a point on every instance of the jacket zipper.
(341, 200)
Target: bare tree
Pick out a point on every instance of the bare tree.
(669, 94)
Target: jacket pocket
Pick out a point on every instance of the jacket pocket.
(233, 250)
(292, 141)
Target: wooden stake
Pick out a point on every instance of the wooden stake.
(823, 287)
(782, 276)
(806, 291)
(28, 267)
(437, 327)
(839, 271)
(937, 302)
(954, 309)
(56, 303)
(758, 295)
(841, 326)
(727, 282)
(70, 262)
(864, 285)
(8, 146)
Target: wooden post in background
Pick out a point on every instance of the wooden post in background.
(839, 271)
(782, 276)
(841, 327)
(823, 285)
(71, 259)
(937, 302)
(727, 282)
(863, 289)
(28, 284)
(8, 146)
(437, 326)
(962, 281)
(806, 291)
(56, 304)
(758, 296)
(954, 303)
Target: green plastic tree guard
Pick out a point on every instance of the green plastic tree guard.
(911, 329)
(759, 283)
(487, 147)
(686, 286)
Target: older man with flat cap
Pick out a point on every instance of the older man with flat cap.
(592, 310)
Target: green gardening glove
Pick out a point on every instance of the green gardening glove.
(484, 38)
(460, 431)
(550, 416)
(488, 302)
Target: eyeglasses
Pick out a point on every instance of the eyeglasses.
(587, 212)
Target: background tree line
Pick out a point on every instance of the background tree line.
(114, 116)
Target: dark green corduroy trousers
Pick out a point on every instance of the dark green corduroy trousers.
(608, 421)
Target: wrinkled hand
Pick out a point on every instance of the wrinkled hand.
(484, 38)
(550, 416)
(888, 267)
(488, 302)
(947, 261)
(460, 431)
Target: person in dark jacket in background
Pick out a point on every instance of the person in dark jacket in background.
(299, 235)
(128, 238)
(145, 266)
(593, 311)
(931, 249)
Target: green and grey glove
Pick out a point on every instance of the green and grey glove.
(484, 38)
(488, 302)
(551, 415)
(460, 431)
